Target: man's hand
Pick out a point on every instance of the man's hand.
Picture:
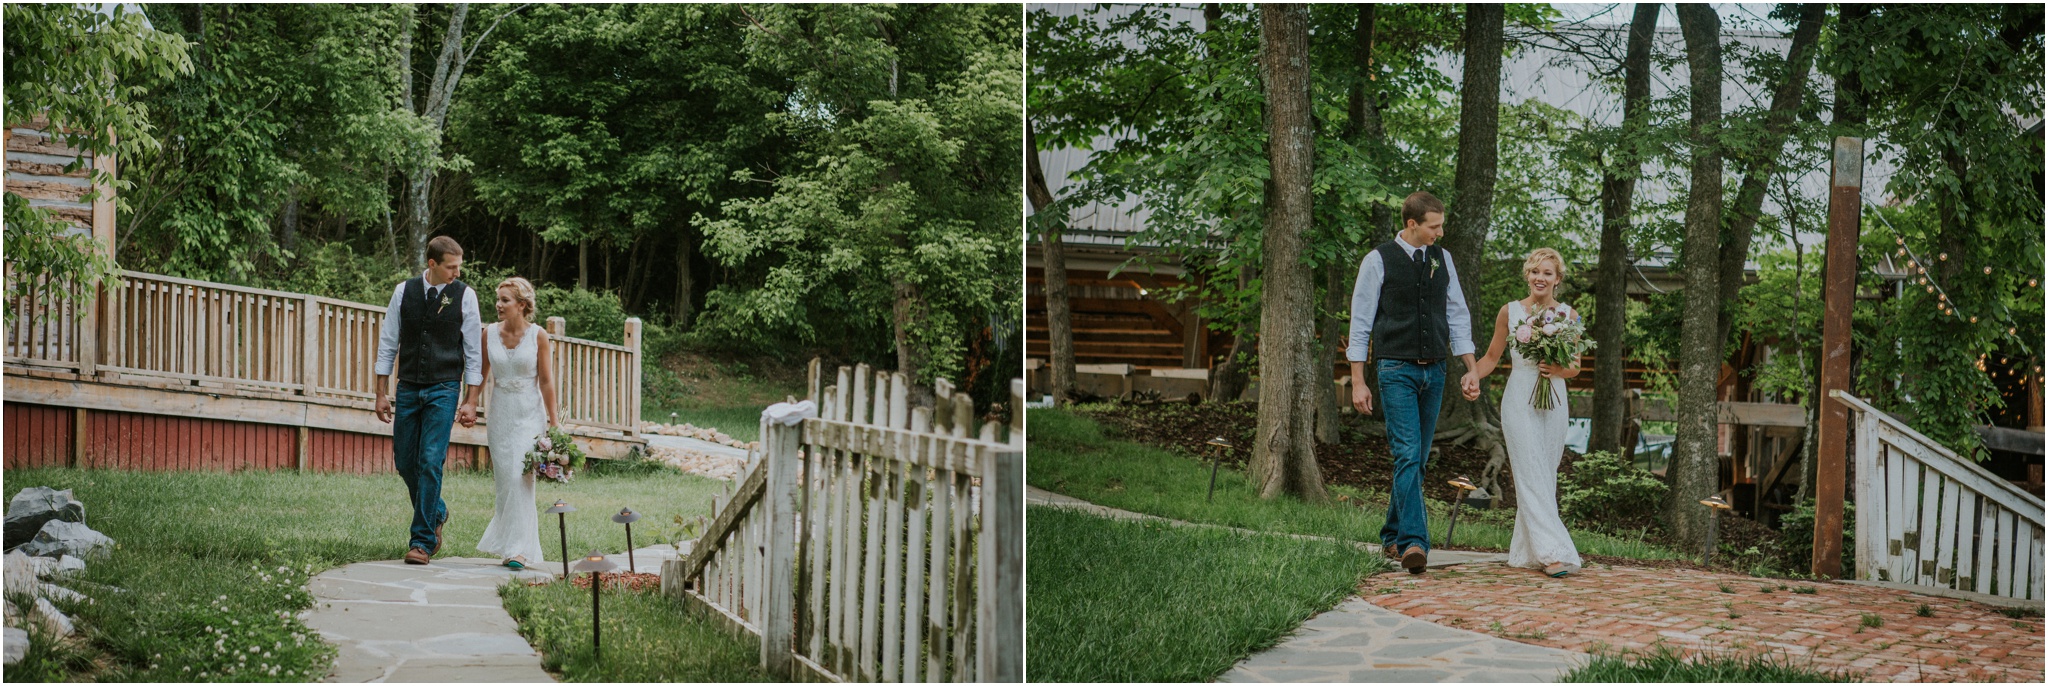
(384, 408)
(466, 415)
(1361, 398)
(1469, 385)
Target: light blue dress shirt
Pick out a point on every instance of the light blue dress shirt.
(1365, 304)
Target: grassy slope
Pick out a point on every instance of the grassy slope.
(1070, 455)
(198, 554)
(648, 637)
(726, 395)
(1140, 601)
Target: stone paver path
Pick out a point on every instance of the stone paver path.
(1359, 642)
(1687, 610)
(442, 622)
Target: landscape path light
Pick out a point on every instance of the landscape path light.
(627, 516)
(1217, 447)
(1465, 487)
(1717, 505)
(596, 564)
(561, 512)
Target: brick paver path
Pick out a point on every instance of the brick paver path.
(1616, 607)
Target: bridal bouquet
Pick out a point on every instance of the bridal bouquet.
(1553, 336)
(555, 456)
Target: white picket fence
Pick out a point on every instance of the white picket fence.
(1927, 517)
(879, 541)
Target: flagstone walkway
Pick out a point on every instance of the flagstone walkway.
(441, 622)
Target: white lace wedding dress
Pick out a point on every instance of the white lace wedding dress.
(515, 421)
(1535, 442)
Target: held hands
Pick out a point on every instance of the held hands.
(1469, 385)
(466, 415)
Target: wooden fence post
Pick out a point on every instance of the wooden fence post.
(1000, 656)
(556, 325)
(1838, 295)
(778, 616)
(632, 340)
(310, 345)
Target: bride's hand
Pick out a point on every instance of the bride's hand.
(1549, 371)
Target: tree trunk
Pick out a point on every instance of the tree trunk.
(1761, 163)
(288, 224)
(1617, 198)
(909, 314)
(1361, 128)
(1695, 455)
(685, 280)
(583, 264)
(1283, 452)
(1059, 311)
(1469, 216)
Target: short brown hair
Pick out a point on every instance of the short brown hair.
(442, 246)
(1419, 204)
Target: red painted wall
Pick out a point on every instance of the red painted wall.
(41, 436)
(36, 435)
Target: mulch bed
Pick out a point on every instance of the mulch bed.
(630, 581)
(1360, 460)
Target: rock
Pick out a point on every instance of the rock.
(59, 538)
(65, 565)
(17, 645)
(54, 622)
(56, 592)
(36, 505)
(20, 572)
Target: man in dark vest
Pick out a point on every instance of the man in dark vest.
(1407, 305)
(433, 331)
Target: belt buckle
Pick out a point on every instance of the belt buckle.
(1425, 363)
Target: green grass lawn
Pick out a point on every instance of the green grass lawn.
(1142, 601)
(1666, 666)
(646, 637)
(210, 564)
(727, 395)
(1070, 455)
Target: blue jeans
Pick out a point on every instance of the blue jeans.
(1410, 395)
(419, 446)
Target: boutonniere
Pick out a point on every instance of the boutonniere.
(1433, 265)
(444, 304)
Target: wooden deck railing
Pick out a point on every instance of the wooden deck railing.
(1927, 517)
(876, 542)
(232, 339)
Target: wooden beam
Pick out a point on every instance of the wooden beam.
(711, 541)
(1838, 295)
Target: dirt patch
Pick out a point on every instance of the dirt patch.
(631, 581)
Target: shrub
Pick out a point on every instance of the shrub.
(1605, 492)
(1796, 530)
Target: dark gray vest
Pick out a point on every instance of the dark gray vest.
(1410, 323)
(430, 333)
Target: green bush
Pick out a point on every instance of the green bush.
(1795, 529)
(1604, 492)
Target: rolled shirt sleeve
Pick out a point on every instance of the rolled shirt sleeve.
(1459, 316)
(473, 340)
(387, 335)
(1365, 304)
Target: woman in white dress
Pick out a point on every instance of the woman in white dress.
(519, 363)
(1535, 438)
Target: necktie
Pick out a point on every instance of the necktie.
(1418, 256)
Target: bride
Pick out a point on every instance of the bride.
(1535, 438)
(520, 358)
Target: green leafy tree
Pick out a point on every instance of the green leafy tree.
(87, 74)
(898, 211)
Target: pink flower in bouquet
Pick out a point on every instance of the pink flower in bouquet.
(1550, 329)
(543, 444)
(1523, 333)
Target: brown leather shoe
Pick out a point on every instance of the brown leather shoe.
(1392, 552)
(416, 556)
(1415, 559)
(437, 535)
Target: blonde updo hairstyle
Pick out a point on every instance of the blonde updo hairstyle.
(522, 292)
(1539, 256)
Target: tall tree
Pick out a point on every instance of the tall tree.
(455, 56)
(1059, 312)
(1362, 129)
(1283, 453)
(1617, 197)
(1696, 455)
(1758, 158)
(1469, 217)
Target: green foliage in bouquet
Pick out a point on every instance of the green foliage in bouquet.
(556, 456)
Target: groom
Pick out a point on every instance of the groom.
(433, 320)
(1408, 306)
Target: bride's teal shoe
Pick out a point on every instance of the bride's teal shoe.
(1558, 570)
(515, 564)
